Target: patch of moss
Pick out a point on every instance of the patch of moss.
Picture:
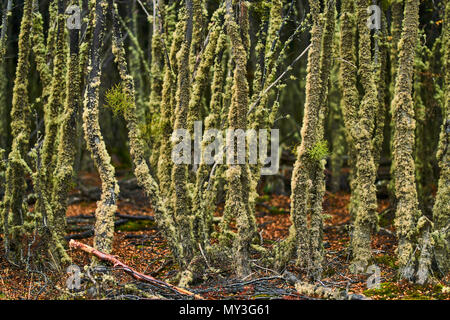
(391, 290)
(137, 225)
(275, 210)
(386, 260)
(319, 151)
(386, 290)
(263, 198)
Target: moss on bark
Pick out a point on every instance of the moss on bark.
(238, 175)
(305, 237)
(365, 220)
(106, 207)
(67, 139)
(441, 212)
(4, 31)
(407, 211)
(13, 208)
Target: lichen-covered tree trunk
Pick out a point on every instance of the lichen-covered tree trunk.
(157, 78)
(53, 109)
(181, 198)
(308, 186)
(164, 169)
(4, 31)
(4, 107)
(365, 220)
(424, 146)
(40, 51)
(106, 207)
(407, 210)
(441, 212)
(67, 138)
(336, 123)
(137, 151)
(396, 31)
(350, 95)
(14, 209)
(237, 174)
(205, 192)
(380, 63)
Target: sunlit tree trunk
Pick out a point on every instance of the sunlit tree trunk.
(407, 211)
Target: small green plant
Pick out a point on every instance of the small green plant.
(319, 151)
(137, 225)
(117, 100)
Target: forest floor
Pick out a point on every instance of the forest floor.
(139, 244)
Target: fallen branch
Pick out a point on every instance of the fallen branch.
(136, 275)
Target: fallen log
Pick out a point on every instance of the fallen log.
(135, 217)
(90, 233)
(135, 274)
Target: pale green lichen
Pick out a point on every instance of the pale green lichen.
(106, 207)
(407, 211)
(4, 30)
(238, 175)
(365, 220)
(441, 212)
(13, 209)
(307, 178)
(350, 95)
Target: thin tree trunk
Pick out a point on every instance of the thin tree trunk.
(106, 207)
(407, 210)
(13, 208)
(441, 212)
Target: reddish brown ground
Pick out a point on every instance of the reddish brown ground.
(147, 252)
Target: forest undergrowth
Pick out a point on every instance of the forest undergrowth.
(139, 244)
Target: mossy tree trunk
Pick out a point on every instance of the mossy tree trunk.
(308, 185)
(441, 212)
(68, 135)
(14, 208)
(237, 174)
(4, 31)
(407, 211)
(365, 219)
(106, 207)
